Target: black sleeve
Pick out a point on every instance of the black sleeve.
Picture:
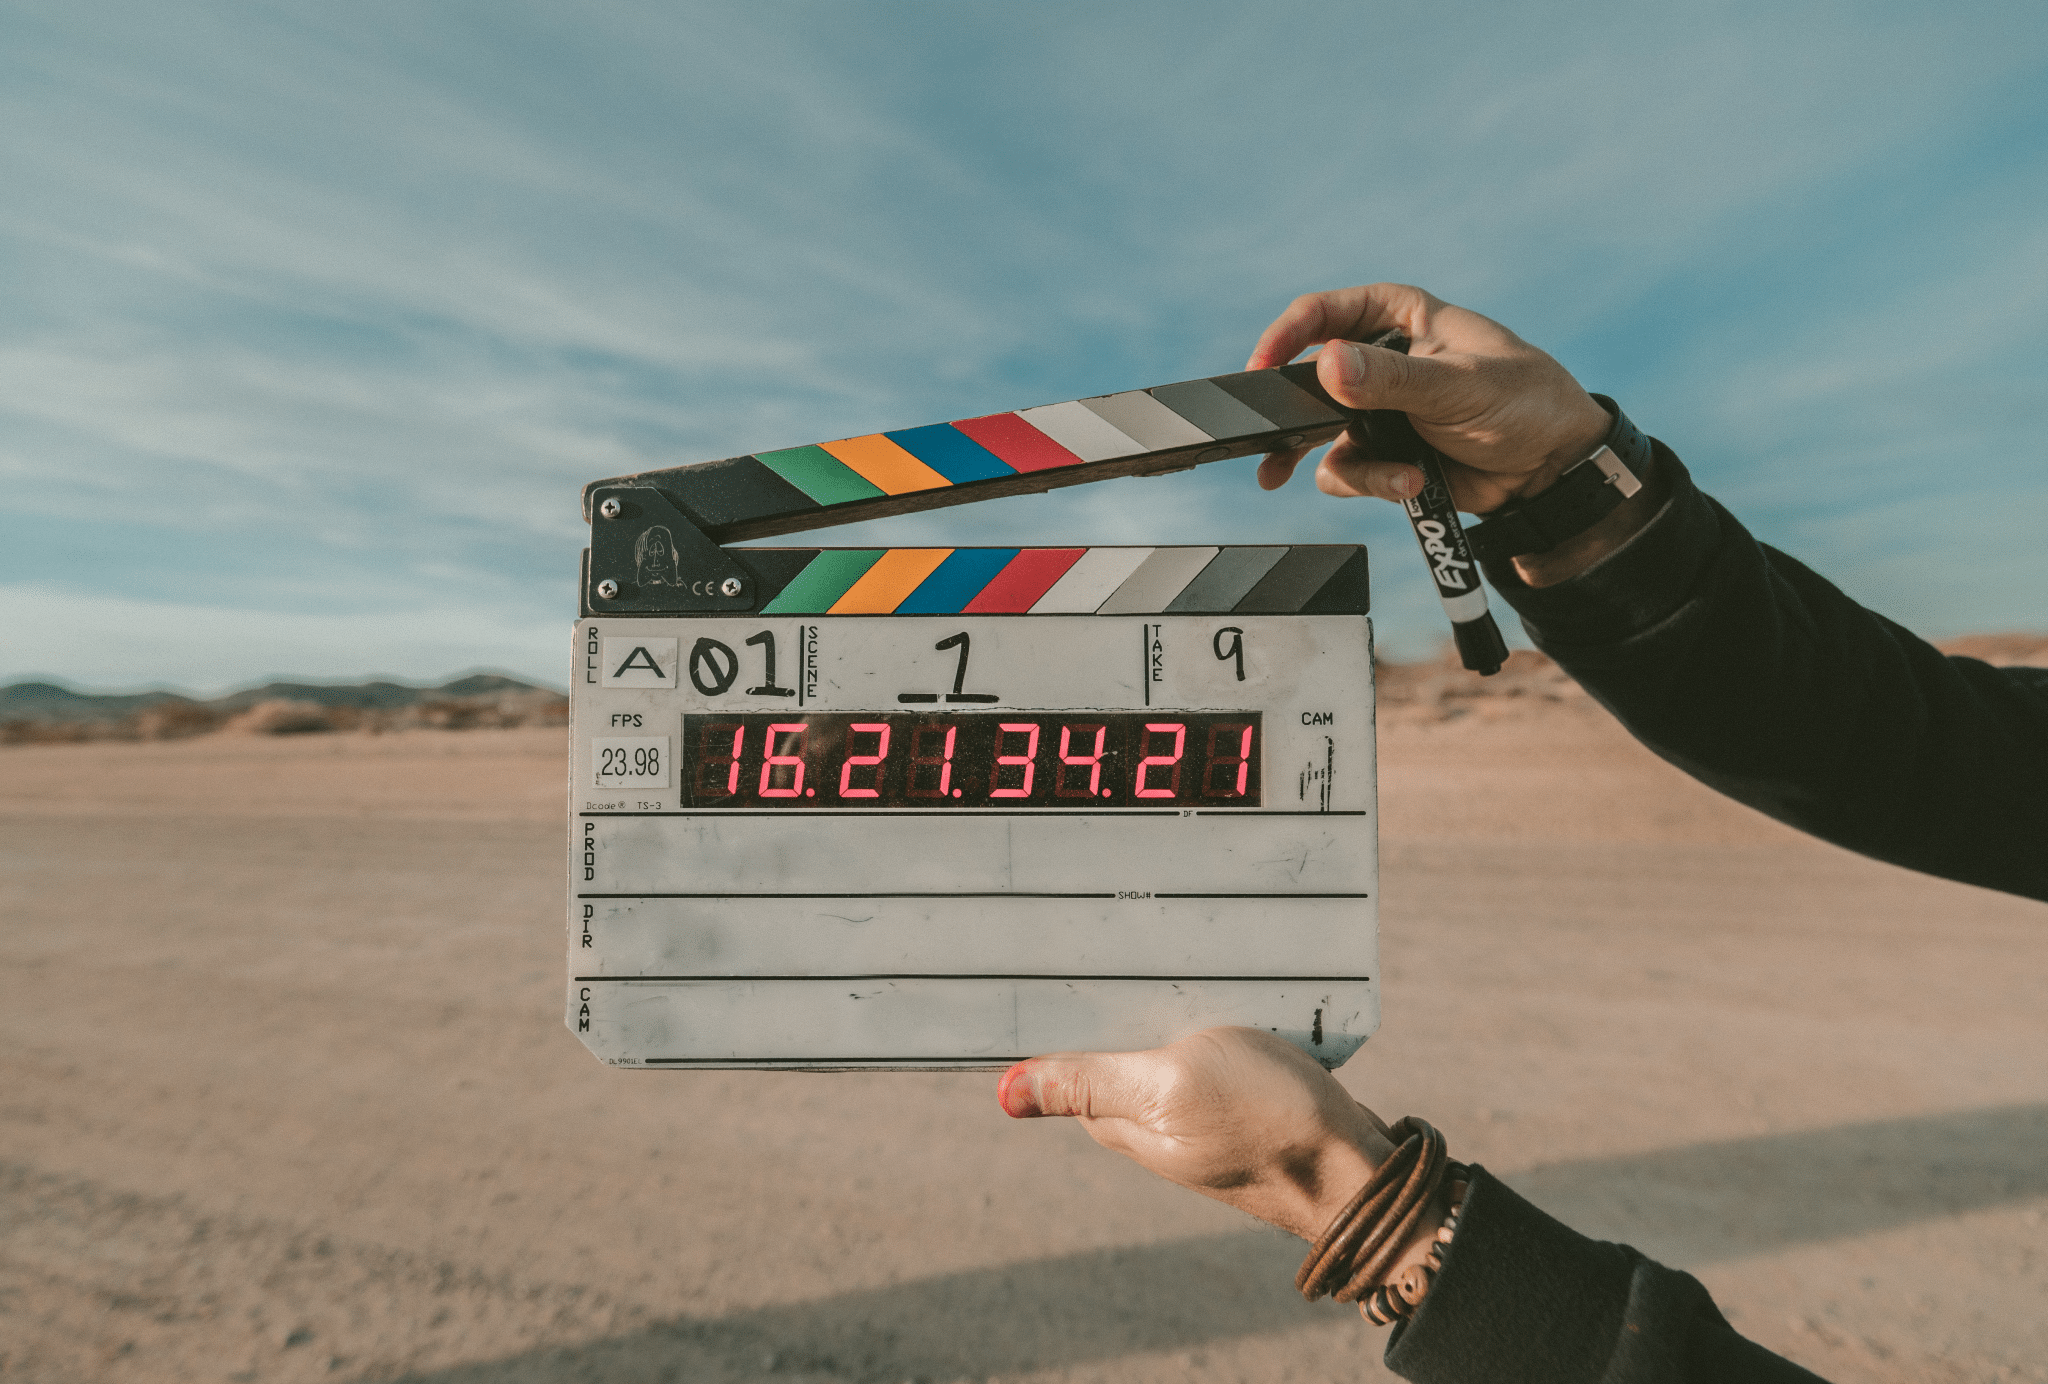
(1760, 679)
(1523, 1297)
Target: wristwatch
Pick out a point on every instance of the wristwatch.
(1583, 496)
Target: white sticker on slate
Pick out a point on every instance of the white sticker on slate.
(630, 761)
(632, 661)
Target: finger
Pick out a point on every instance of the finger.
(1099, 1085)
(1435, 388)
(1342, 313)
(1348, 473)
(1348, 469)
(1277, 468)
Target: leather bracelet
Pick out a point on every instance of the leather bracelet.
(1361, 1244)
(1581, 498)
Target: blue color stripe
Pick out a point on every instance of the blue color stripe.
(951, 453)
(956, 581)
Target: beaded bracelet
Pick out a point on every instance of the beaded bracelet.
(1398, 1299)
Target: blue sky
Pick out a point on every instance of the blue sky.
(314, 318)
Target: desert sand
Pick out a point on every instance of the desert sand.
(285, 1094)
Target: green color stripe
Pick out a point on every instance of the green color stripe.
(819, 474)
(824, 581)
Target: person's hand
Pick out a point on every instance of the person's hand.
(1509, 418)
(1233, 1113)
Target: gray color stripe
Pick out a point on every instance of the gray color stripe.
(1158, 580)
(1224, 582)
(1137, 414)
(1210, 409)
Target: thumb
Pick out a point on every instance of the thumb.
(1101, 1085)
(1359, 376)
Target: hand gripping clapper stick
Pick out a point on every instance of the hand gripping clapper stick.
(844, 808)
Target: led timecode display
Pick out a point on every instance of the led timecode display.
(1078, 761)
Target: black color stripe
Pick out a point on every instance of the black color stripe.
(1347, 592)
(1299, 578)
(1302, 375)
(1285, 403)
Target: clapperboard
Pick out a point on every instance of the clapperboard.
(838, 808)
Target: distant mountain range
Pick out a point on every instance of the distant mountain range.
(48, 701)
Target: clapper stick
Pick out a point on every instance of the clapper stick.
(1138, 432)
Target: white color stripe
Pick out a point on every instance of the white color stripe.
(1082, 431)
(1089, 582)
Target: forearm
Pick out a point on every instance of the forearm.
(1523, 1297)
(1759, 678)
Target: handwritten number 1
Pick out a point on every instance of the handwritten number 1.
(961, 642)
(768, 687)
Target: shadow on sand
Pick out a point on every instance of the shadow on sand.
(1677, 1204)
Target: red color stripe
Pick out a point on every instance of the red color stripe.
(1023, 580)
(1017, 442)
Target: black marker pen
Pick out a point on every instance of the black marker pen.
(1387, 434)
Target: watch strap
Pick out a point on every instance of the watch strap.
(1581, 498)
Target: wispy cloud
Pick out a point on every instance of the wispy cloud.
(329, 312)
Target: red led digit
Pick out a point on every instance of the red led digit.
(944, 760)
(862, 761)
(1242, 760)
(1163, 761)
(1093, 761)
(775, 761)
(709, 758)
(1026, 759)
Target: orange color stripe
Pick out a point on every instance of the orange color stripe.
(885, 465)
(883, 586)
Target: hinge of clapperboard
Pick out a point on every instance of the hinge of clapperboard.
(658, 538)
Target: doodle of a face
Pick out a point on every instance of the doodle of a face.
(655, 560)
